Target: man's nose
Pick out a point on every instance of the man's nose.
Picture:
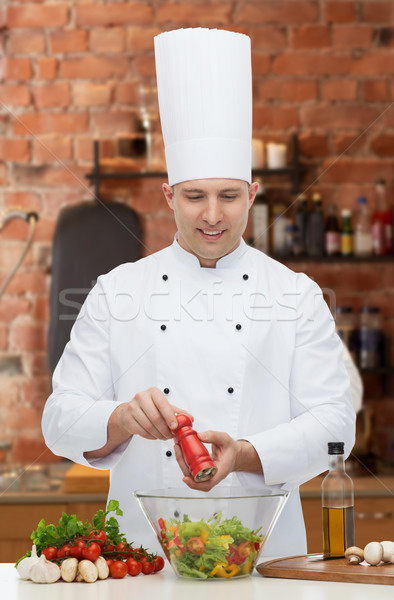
(213, 212)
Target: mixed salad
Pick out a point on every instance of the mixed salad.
(213, 548)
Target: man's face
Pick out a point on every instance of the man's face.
(211, 215)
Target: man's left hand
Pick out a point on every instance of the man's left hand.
(229, 455)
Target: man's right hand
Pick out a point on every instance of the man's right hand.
(149, 415)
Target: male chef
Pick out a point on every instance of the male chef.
(207, 326)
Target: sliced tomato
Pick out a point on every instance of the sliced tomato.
(245, 549)
(195, 545)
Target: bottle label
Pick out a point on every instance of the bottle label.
(346, 243)
(333, 242)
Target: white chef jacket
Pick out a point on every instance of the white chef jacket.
(166, 322)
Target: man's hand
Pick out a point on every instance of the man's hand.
(148, 414)
(229, 455)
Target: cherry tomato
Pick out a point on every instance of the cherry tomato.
(195, 545)
(64, 551)
(98, 535)
(138, 554)
(50, 553)
(91, 552)
(158, 563)
(109, 548)
(134, 567)
(118, 569)
(147, 567)
(245, 548)
(76, 551)
(109, 562)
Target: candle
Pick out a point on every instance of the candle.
(276, 155)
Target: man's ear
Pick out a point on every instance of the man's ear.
(253, 188)
(168, 194)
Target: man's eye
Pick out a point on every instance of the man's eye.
(194, 197)
(228, 197)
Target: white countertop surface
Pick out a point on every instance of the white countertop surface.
(166, 586)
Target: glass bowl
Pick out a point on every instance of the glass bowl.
(214, 535)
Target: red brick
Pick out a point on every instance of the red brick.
(352, 36)
(119, 13)
(114, 122)
(375, 62)
(312, 144)
(262, 117)
(56, 200)
(126, 92)
(94, 67)
(28, 450)
(336, 117)
(15, 94)
(3, 174)
(3, 336)
(14, 150)
(377, 12)
(351, 143)
(293, 91)
(48, 175)
(68, 41)
(50, 15)
(388, 116)
(9, 393)
(12, 307)
(310, 36)
(28, 336)
(35, 392)
(339, 89)
(35, 364)
(141, 39)
(194, 13)
(159, 230)
(145, 65)
(26, 200)
(383, 145)
(340, 11)
(26, 42)
(261, 63)
(41, 308)
(375, 89)
(284, 117)
(37, 123)
(268, 37)
(107, 40)
(307, 63)
(17, 69)
(51, 95)
(16, 229)
(84, 149)
(46, 68)
(290, 11)
(23, 418)
(11, 251)
(89, 94)
(52, 148)
(361, 170)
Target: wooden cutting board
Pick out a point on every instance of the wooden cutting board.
(80, 478)
(313, 566)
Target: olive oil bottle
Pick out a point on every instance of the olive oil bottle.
(337, 505)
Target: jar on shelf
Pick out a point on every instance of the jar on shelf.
(346, 324)
(370, 338)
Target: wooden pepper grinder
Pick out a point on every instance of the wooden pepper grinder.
(194, 452)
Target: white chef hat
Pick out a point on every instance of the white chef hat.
(204, 83)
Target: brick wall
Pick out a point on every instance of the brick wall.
(69, 71)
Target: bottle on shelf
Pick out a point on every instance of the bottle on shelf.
(346, 233)
(347, 329)
(362, 230)
(279, 233)
(382, 229)
(260, 219)
(315, 229)
(301, 222)
(370, 338)
(332, 232)
(337, 505)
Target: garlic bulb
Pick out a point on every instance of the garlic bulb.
(44, 571)
(26, 563)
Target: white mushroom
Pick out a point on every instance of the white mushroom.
(87, 571)
(102, 567)
(373, 553)
(388, 551)
(354, 555)
(69, 569)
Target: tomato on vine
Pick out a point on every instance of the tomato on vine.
(118, 569)
(91, 552)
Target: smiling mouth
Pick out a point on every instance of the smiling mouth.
(212, 234)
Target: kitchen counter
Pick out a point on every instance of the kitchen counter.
(165, 585)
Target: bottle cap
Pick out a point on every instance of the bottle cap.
(336, 447)
(361, 200)
(343, 310)
(370, 309)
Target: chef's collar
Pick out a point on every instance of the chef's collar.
(188, 259)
